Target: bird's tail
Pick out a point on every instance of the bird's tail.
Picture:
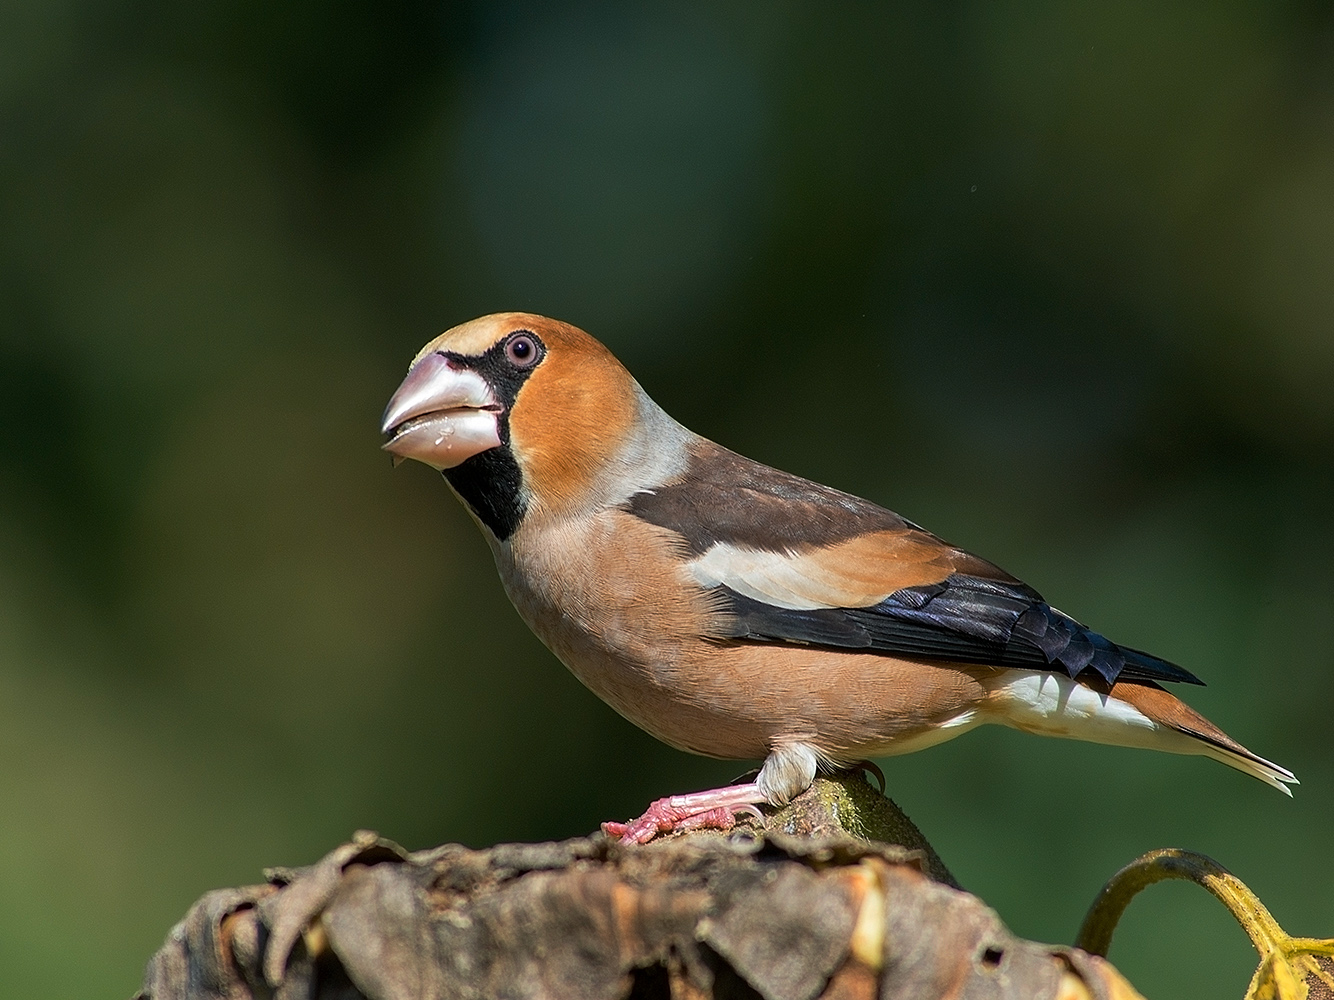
(1133, 713)
(1256, 766)
(1167, 710)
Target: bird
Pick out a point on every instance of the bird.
(740, 612)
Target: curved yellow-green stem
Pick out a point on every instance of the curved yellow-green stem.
(1287, 964)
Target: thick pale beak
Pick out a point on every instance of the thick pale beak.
(441, 415)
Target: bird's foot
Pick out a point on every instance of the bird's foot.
(715, 809)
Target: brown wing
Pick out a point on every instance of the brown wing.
(797, 562)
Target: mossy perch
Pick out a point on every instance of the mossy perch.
(849, 805)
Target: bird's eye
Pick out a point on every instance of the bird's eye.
(522, 350)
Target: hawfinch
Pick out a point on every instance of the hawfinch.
(736, 611)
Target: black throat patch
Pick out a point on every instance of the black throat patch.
(492, 486)
(491, 483)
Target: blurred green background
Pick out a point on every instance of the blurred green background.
(1055, 280)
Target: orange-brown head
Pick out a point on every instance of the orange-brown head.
(524, 413)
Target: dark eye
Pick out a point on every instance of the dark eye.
(522, 350)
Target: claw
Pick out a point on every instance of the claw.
(871, 769)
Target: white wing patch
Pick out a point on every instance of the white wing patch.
(783, 579)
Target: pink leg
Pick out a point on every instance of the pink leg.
(716, 808)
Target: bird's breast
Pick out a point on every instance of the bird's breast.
(609, 595)
(607, 581)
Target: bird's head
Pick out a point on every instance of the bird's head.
(519, 412)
